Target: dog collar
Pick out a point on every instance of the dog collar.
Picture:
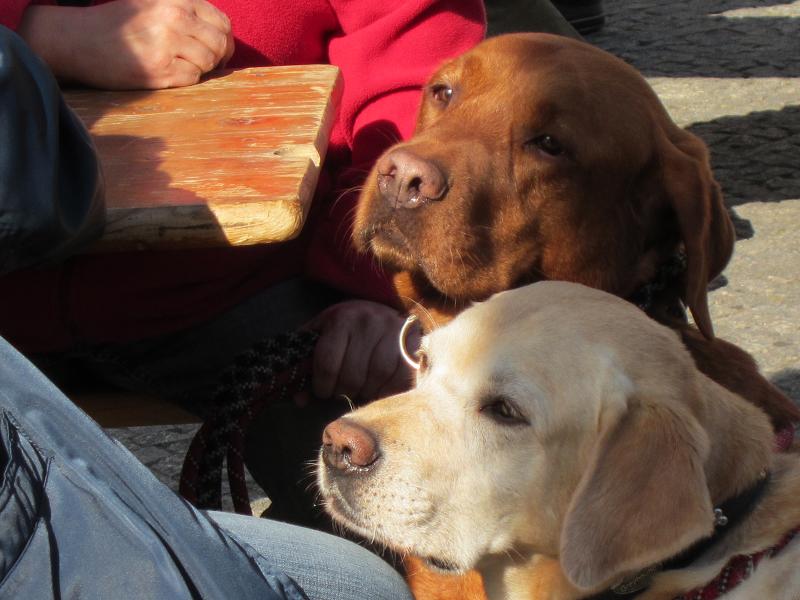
(741, 567)
(673, 267)
(785, 437)
(737, 569)
(729, 514)
(726, 516)
(413, 362)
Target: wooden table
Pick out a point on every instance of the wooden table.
(233, 160)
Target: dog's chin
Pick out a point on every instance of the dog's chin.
(344, 514)
(390, 246)
(341, 511)
(395, 250)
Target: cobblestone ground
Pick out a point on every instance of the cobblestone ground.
(729, 71)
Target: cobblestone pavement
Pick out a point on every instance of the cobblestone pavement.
(729, 71)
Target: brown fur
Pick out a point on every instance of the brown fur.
(629, 190)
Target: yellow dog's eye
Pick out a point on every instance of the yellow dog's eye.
(504, 411)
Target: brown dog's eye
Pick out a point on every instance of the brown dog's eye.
(442, 93)
(503, 411)
(547, 144)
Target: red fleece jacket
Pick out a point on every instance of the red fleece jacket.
(385, 51)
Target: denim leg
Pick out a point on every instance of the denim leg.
(325, 566)
(80, 516)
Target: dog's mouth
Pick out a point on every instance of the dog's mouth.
(383, 232)
(386, 241)
(340, 508)
(339, 505)
(395, 249)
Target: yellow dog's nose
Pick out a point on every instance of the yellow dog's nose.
(348, 446)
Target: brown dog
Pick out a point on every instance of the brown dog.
(540, 157)
(557, 422)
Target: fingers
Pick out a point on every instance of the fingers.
(403, 376)
(192, 38)
(212, 15)
(357, 353)
(355, 379)
(400, 381)
(181, 73)
(329, 354)
(212, 29)
(198, 54)
(219, 21)
(342, 364)
(195, 33)
(386, 371)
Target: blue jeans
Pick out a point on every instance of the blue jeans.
(325, 566)
(82, 518)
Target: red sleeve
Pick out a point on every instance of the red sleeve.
(385, 55)
(11, 12)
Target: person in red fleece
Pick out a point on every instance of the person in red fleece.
(158, 318)
(170, 322)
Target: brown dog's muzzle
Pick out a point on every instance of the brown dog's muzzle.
(348, 447)
(406, 180)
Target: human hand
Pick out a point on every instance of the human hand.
(357, 354)
(130, 44)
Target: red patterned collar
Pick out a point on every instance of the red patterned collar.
(741, 567)
(784, 438)
(738, 569)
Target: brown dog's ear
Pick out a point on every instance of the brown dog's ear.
(706, 227)
(643, 498)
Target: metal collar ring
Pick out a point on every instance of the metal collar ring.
(408, 357)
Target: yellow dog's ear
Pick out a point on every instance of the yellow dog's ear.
(705, 226)
(643, 498)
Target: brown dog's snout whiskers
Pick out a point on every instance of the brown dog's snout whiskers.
(406, 180)
(348, 446)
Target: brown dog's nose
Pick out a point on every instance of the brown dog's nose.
(407, 181)
(348, 446)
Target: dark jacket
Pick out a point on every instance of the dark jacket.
(51, 189)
